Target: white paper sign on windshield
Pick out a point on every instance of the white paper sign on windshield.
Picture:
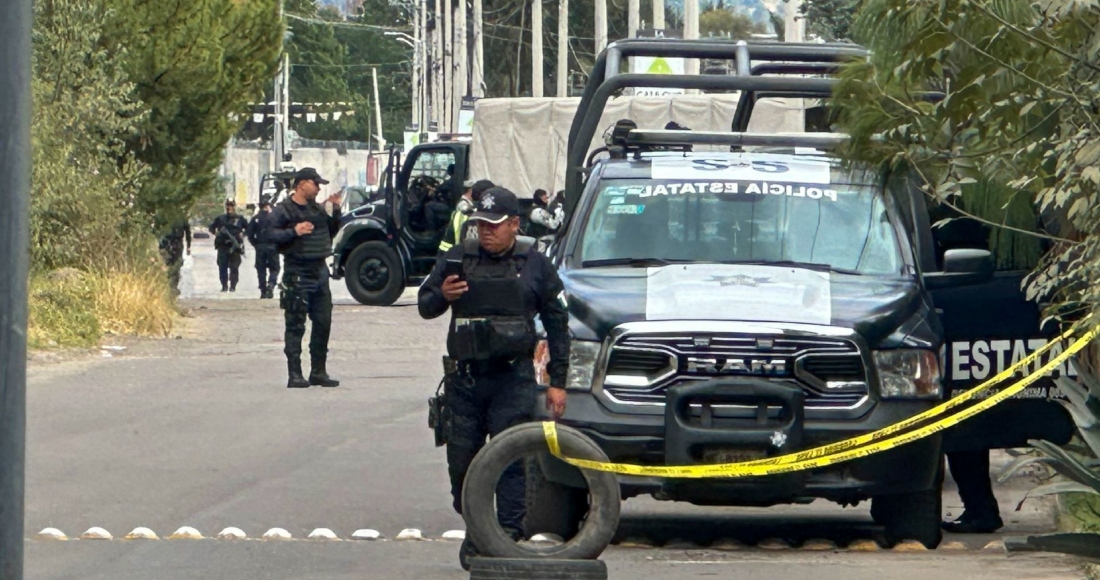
(735, 169)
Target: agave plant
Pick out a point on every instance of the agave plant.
(1078, 464)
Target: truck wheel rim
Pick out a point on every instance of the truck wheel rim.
(373, 274)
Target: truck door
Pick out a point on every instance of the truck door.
(990, 326)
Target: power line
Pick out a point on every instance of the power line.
(350, 65)
(342, 23)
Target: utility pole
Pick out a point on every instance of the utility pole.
(537, 72)
(632, 18)
(563, 48)
(460, 78)
(378, 110)
(416, 72)
(448, 66)
(601, 25)
(422, 51)
(15, 166)
(658, 14)
(286, 108)
(478, 80)
(277, 142)
(691, 32)
(437, 68)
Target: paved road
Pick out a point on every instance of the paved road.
(199, 430)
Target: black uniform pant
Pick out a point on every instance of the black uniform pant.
(305, 294)
(970, 470)
(173, 261)
(229, 264)
(267, 266)
(493, 398)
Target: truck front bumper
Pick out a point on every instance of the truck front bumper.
(677, 437)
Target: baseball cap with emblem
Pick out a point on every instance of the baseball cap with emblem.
(309, 174)
(496, 205)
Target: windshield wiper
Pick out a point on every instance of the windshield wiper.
(635, 262)
(794, 264)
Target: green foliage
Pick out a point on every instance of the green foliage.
(84, 181)
(722, 22)
(61, 311)
(192, 65)
(1021, 82)
(830, 19)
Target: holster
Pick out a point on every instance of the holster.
(439, 411)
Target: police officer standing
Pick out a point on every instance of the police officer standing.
(458, 229)
(267, 256)
(504, 282)
(302, 230)
(172, 249)
(228, 230)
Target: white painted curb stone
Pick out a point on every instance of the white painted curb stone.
(322, 534)
(410, 534)
(366, 535)
(96, 534)
(51, 534)
(142, 534)
(186, 533)
(276, 534)
(232, 533)
(455, 535)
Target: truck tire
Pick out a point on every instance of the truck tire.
(517, 444)
(540, 569)
(553, 508)
(912, 516)
(374, 274)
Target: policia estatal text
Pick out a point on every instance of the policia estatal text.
(303, 230)
(504, 282)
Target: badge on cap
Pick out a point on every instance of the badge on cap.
(487, 202)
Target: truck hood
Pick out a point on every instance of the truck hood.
(603, 298)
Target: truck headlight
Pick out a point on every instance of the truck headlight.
(583, 356)
(908, 373)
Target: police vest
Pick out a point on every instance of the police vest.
(492, 319)
(316, 245)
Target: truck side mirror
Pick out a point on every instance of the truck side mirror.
(961, 267)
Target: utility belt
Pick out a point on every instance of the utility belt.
(440, 416)
(493, 338)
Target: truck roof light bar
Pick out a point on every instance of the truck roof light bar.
(808, 140)
(741, 52)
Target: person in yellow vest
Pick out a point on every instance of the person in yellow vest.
(458, 229)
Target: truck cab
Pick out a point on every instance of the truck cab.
(736, 296)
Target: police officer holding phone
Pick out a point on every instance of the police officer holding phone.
(494, 286)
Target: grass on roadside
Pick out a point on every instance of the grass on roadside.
(1081, 512)
(73, 308)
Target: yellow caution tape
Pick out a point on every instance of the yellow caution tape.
(844, 450)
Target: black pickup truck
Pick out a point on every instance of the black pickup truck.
(766, 298)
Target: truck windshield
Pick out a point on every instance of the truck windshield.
(835, 226)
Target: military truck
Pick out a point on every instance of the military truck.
(739, 295)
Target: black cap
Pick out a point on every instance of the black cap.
(479, 187)
(264, 200)
(230, 202)
(308, 174)
(496, 205)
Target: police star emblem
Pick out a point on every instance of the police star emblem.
(779, 439)
(487, 202)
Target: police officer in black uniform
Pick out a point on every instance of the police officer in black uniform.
(228, 230)
(267, 256)
(302, 230)
(504, 282)
(172, 249)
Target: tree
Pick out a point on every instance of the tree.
(829, 19)
(84, 181)
(1018, 125)
(722, 22)
(192, 64)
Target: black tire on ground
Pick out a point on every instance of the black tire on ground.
(553, 508)
(374, 274)
(911, 516)
(541, 569)
(517, 444)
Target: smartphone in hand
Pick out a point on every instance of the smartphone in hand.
(453, 268)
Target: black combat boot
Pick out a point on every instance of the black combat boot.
(318, 376)
(225, 288)
(467, 552)
(296, 381)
